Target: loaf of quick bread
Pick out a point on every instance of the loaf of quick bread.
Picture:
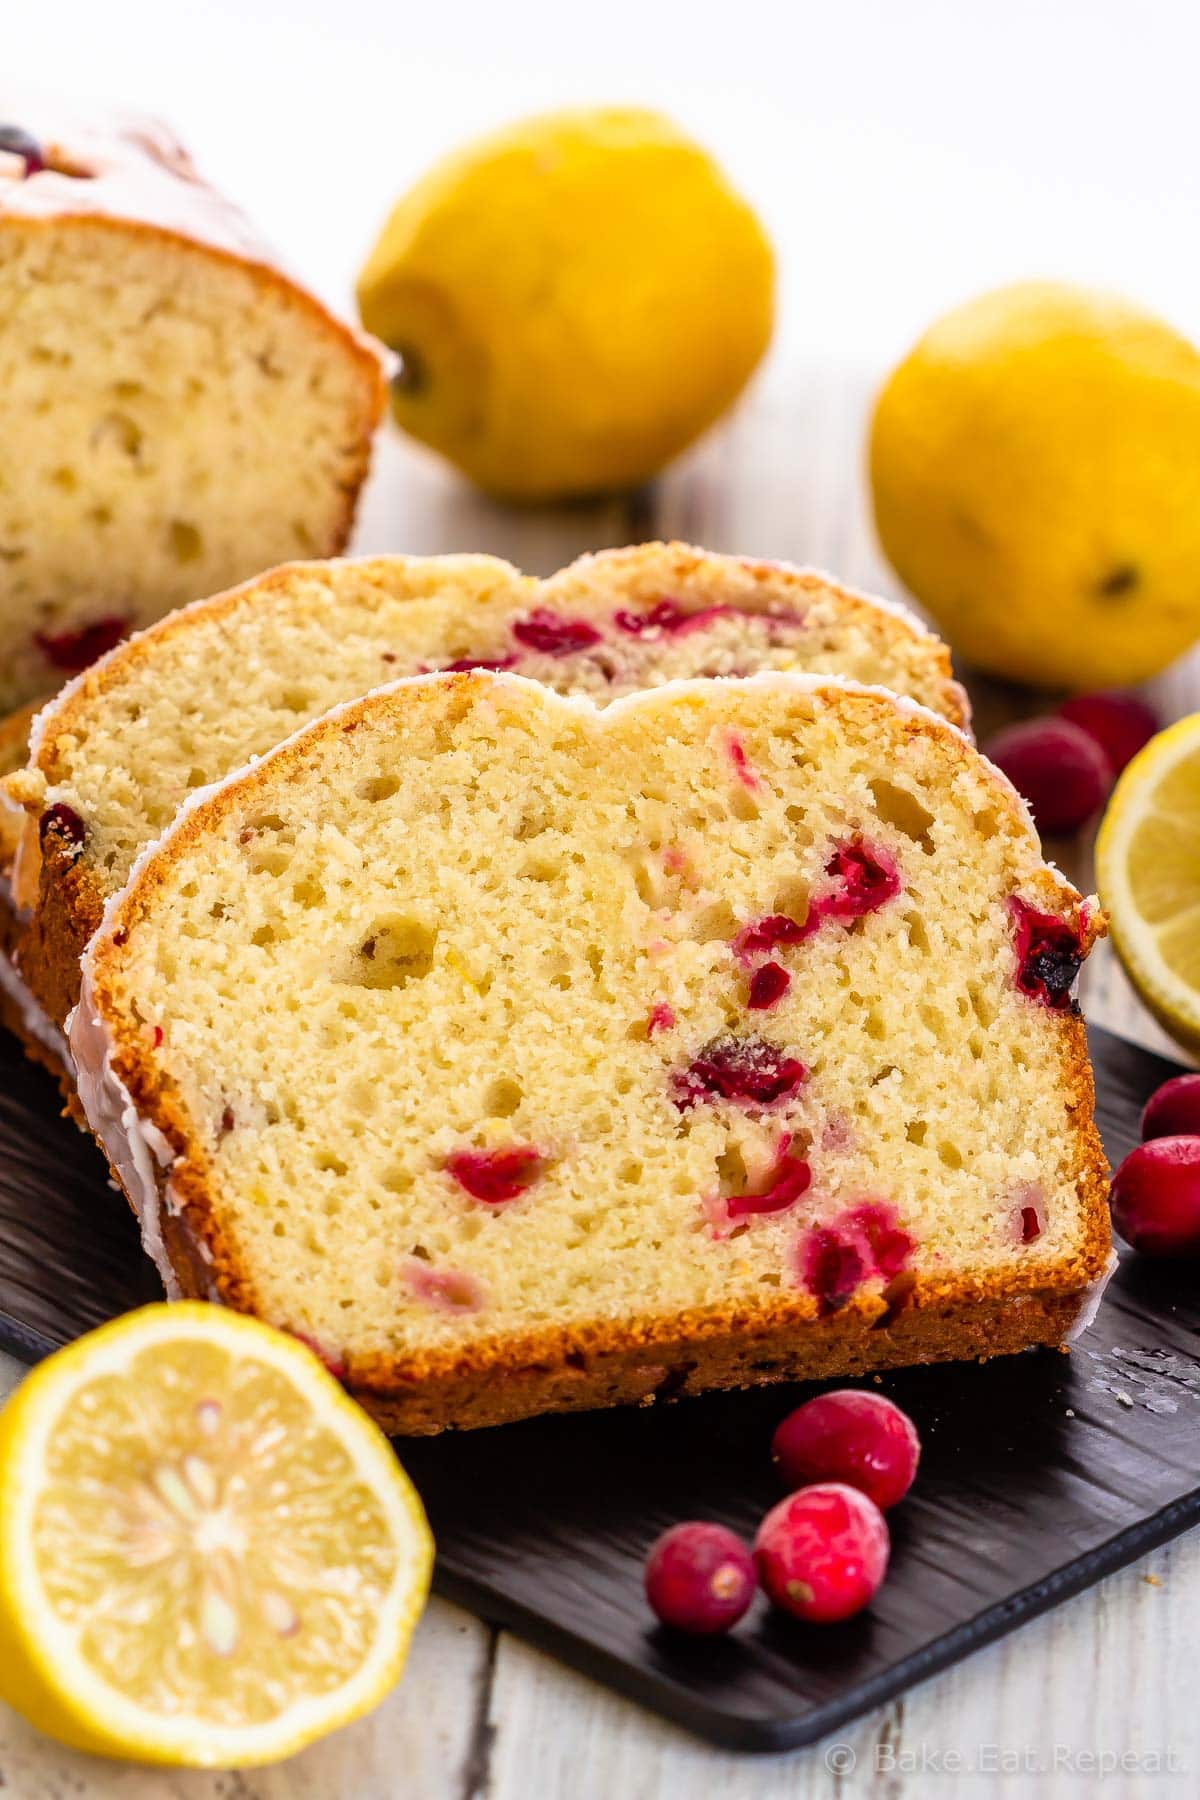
(115, 755)
(177, 413)
(525, 1056)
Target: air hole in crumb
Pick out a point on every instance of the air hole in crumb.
(295, 700)
(915, 1131)
(332, 1165)
(540, 868)
(503, 1097)
(742, 804)
(629, 1173)
(950, 1155)
(377, 787)
(395, 951)
(308, 893)
(896, 806)
(397, 1180)
(265, 935)
(712, 924)
(987, 822)
(186, 543)
(918, 937)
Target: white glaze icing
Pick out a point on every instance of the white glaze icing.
(1093, 1294)
(36, 1022)
(135, 1146)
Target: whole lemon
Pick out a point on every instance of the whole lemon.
(574, 299)
(1035, 464)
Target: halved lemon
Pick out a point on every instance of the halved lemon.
(209, 1555)
(1148, 873)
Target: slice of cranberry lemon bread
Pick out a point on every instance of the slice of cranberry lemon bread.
(201, 693)
(524, 1056)
(177, 412)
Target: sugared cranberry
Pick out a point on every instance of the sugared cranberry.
(852, 1436)
(23, 144)
(768, 985)
(699, 1578)
(790, 1177)
(495, 1176)
(72, 651)
(865, 877)
(1121, 723)
(1049, 955)
(662, 1018)
(748, 1070)
(1059, 769)
(64, 821)
(467, 663)
(1156, 1197)
(821, 1554)
(1173, 1110)
(553, 635)
(761, 936)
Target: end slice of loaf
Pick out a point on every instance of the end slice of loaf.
(178, 413)
(117, 753)
(524, 1056)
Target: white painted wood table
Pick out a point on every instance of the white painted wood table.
(1100, 1693)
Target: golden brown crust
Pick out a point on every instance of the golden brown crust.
(563, 1369)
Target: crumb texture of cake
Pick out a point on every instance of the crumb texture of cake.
(440, 1018)
(185, 413)
(205, 690)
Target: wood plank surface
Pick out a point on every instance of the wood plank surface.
(1049, 1710)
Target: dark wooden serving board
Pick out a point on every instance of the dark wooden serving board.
(1040, 1473)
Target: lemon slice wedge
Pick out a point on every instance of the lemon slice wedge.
(209, 1555)
(1148, 873)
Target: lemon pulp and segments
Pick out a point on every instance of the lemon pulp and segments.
(1035, 467)
(209, 1555)
(1148, 873)
(574, 299)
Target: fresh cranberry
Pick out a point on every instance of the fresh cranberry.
(768, 985)
(64, 821)
(553, 635)
(761, 936)
(821, 1554)
(699, 1578)
(862, 1241)
(446, 1290)
(865, 877)
(1049, 955)
(741, 763)
(748, 1070)
(21, 143)
(1058, 767)
(852, 1436)
(71, 651)
(789, 1178)
(662, 1018)
(1174, 1109)
(466, 663)
(667, 616)
(1120, 723)
(1156, 1197)
(331, 1360)
(831, 1268)
(496, 1175)
(1029, 1224)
